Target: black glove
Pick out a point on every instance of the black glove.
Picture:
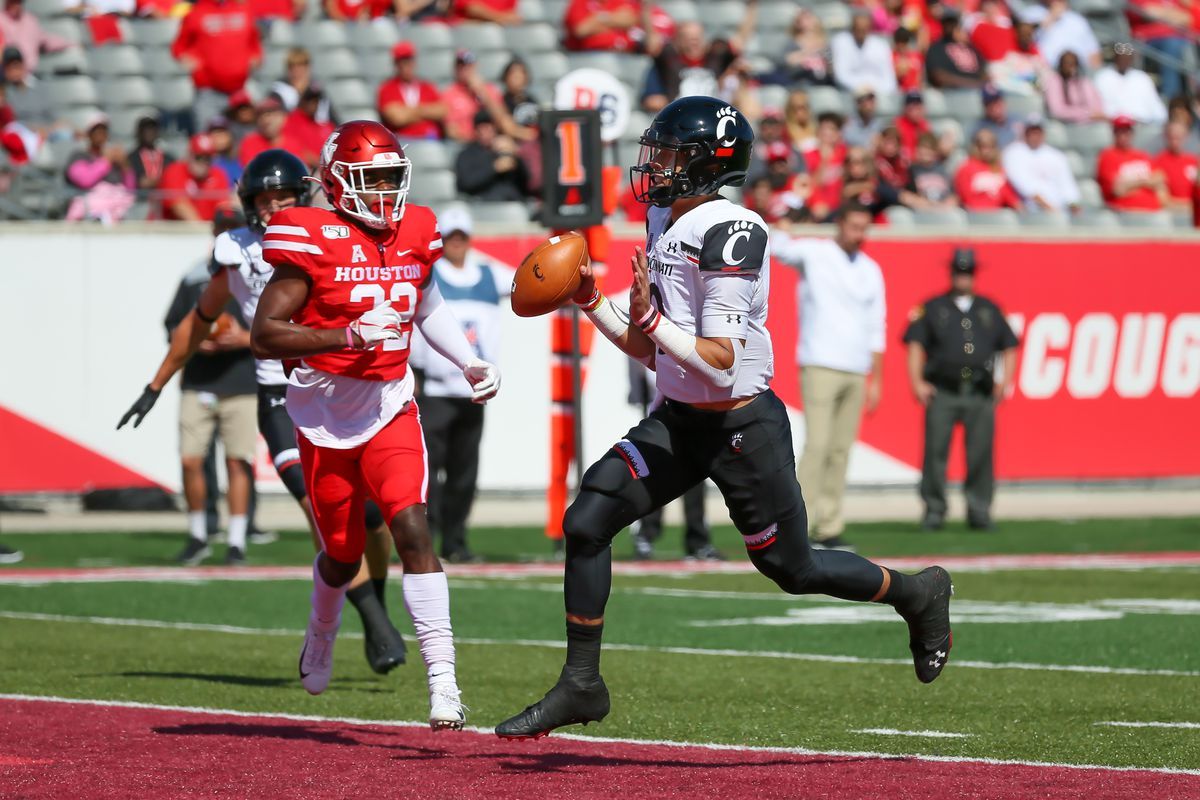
(140, 408)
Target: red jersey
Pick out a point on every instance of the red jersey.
(304, 137)
(1180, 169)
(223, 40)
(994, 41)
(909, 133)
(984, 188)
(410, 94)
(1115, 165)
(459, 11)
(254, 143)
(622, 40)
(356, 9)
(205, 195)
(827, 177)
(910, 69)
(352, 271)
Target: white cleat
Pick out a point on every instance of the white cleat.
(446, 711)
(316, 659)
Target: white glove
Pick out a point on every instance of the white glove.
(484, 379)
(379, 324)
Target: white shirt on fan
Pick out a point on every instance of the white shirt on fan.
(239, 251)
(841, 303)
(710, 276)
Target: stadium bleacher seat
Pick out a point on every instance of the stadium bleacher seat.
(123, 121)
(336, 63)
(491, 65)
(126, 92)
(430, 36)
(1000, 218)
(76, 90)
(159, 63)
(1043, 219)
(605, 62)
(1095, 218)
(834, 16)
(942, 217)
(963, 105)
(115, 60)
(317, 35)
(155, 32)
(1145, 219)
(632, 71)
(538, 37)
(281, 34)
(479, 37)
(64, 62)
(547, 67)
(723, 17)
(1089, 194)
(173, 93)
(347, 94)
(436, 188)
(1021, 106)
(428, 156)
(532, 11)
(681, 10)
(514, 213)
(826, 98)
(936, 106)
(382, 34)
(899, 217)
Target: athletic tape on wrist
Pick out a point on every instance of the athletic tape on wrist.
(612, 321)
(681, 346)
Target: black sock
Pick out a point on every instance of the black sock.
(583, 650)
(379, 585)
(904, 592)
(374, 617)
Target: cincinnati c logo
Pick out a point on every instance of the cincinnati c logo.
(537, 272)
(738, 231)
(725, 117)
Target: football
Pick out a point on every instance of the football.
(549, 275)
(223, 324)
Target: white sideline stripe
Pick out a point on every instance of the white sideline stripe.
(918, 734)
(299, 247)
(629, 648)
(1180, 725)
(287, 230)
(797, 751)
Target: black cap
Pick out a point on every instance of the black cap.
(963, 261)
(10, 54)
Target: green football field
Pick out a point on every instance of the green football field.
(1044, 660)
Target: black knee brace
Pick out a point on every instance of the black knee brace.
(372, 516)
(293, 479)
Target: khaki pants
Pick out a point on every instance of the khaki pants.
(833, 402)
(201, 413)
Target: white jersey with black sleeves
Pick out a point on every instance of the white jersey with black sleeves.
(239, 253)
(710, 275)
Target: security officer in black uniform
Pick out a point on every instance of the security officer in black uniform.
(953, 340)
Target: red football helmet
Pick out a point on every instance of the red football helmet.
(365, 173)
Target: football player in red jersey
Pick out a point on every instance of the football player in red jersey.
(349, 285)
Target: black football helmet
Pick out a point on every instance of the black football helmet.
(693, 147)
(271, 169)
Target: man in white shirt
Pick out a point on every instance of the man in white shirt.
(1126, 91)
(473, 286)
(840, 353)
(1060, 29)
(863, 61)
(1040, 173)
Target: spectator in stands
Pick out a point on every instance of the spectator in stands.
(1163, 25)
(908, 61)
(148, 159)
(1179, 110)
(1070, 95)
(302, 129)
(28, 104)
(268, 131)
(824, 163)
(193, 189)
(488, 168)
(929, 186)
(684, 67)
(762, 197)
(861, 184)
(1127, 176)
(797, 118)
(102, 18)
(23, 30)
(1022, 68)
(616, 25)
(952, 62)
(1040, 173)
(807, 60)
(981, 184)
(517, 98)
(862, 59)
(772, 141)
(891, 167)
(218, 43)
(993, 35)
(241, 115)
(1060, 29)
(863, 125)
(296, 80)
(366, 10)
(268, 10)
(1178, 167)
(996, 119)
(467, 96)
(1126, 91)
(224, 150)
(411, 107)
(911, 123)
(501, 12)
(101, 171)
(890, 16)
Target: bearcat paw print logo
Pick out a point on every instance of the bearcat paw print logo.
(726, 119)
(740, 225)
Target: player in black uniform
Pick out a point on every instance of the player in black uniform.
(697, 312)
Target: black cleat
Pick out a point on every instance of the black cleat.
(705, 553)
(568, 703)
(193, 552)
(932, 522)
(235, 557)
(385, 649)
(929, 636)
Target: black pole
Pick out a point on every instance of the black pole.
(577, 395)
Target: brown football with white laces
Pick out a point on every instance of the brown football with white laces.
(549, 275)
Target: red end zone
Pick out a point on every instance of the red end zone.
(55, 749)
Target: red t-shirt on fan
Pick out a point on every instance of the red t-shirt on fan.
(982, 188)
(410, 94)
(1115, 165)
(1180, 169)
(352, 272)
(205, 195)
(223, 40)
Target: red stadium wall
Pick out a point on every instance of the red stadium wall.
(1108, 371)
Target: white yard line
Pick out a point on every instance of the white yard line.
(631, 648)
(1174, 725)
(915, 734)
(798, 751)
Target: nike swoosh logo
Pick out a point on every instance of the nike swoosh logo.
(403, 252)
(300, 666)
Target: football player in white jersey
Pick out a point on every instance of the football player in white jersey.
(697, 315)
(275, 180)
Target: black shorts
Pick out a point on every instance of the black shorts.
(277, 427)
(747, 452)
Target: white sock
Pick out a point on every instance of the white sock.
(327, 603)
(198, 525)
(237, 531)
(427, 598)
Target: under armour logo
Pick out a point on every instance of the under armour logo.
(733, 319)
(276, 402)
(935, 662)
(672, 246)
(735, 442)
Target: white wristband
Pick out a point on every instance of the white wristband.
(611, 320)
(681, 346)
